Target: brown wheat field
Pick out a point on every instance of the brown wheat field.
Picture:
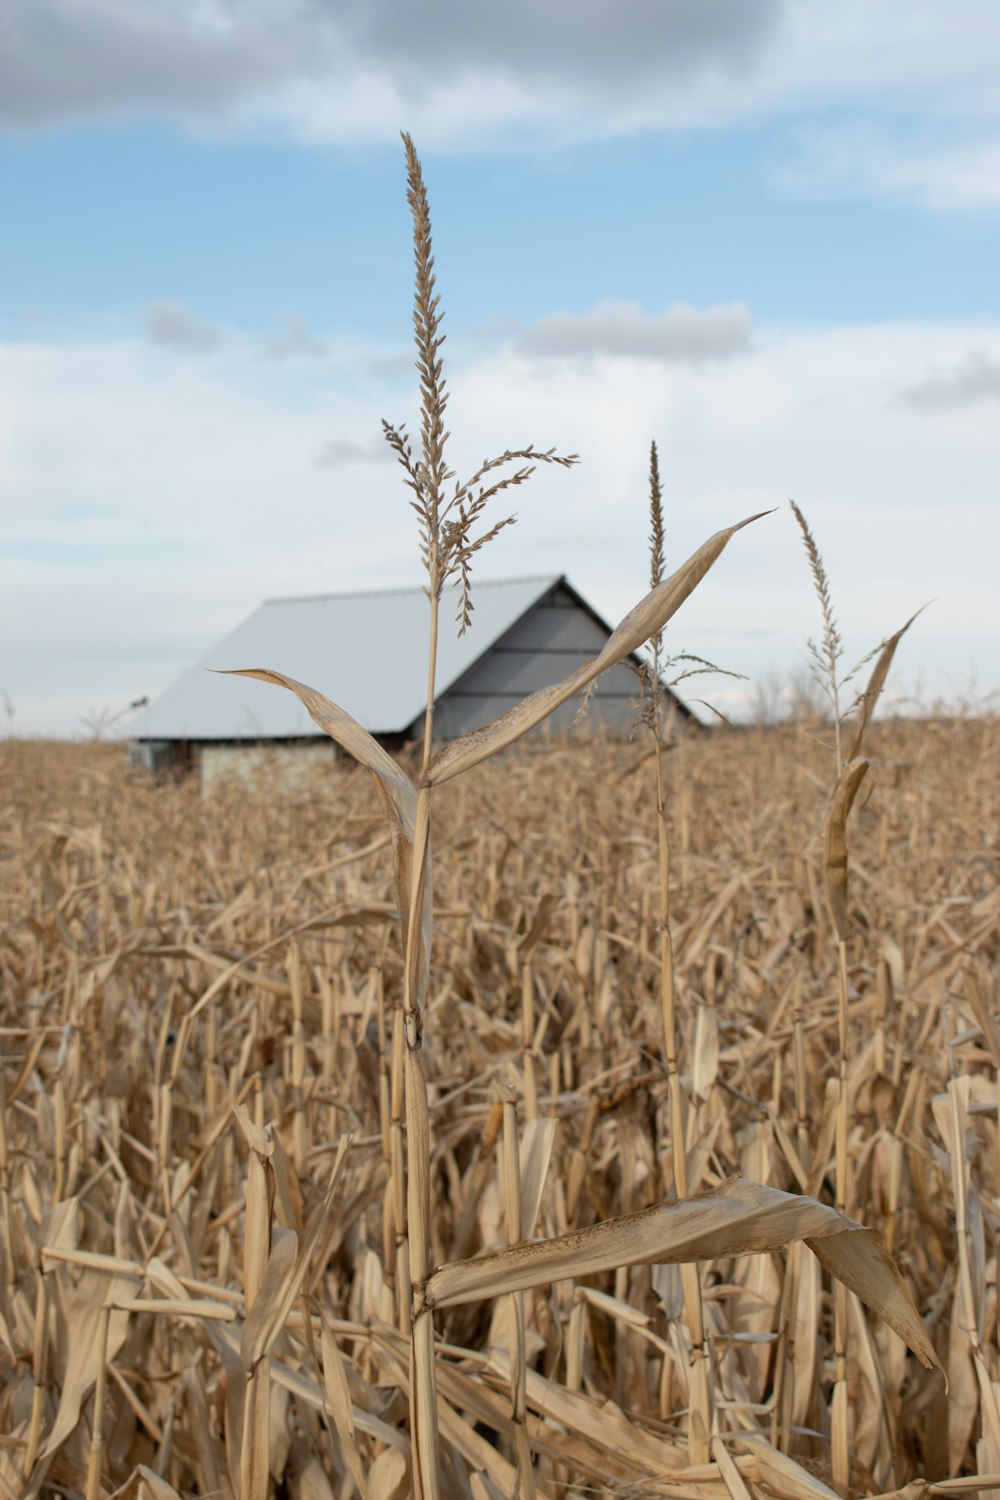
(201, 1111)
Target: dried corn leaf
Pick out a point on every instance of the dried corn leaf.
(782, 1475)
(731, 1476)
(535, 1154)
(396, 791)
(80, 1310)
(173, 1307)
(599, 1422)
(648, 616)
(285, 1273)
(313, 1483)
(145, 1484)
(705, 1059)
(858, 1257)
(255, 1453)
(390, 1476)
(483, 1487)
(341, 1409)
(876, 683)
(262, 1324)
(980, 1009)
(740, 1218)
(536, 932)
(835, 853)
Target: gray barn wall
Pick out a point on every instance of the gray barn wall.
(552, 640)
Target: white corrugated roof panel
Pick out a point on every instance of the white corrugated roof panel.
(368, 652)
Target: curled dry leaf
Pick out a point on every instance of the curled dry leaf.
(876, 683)
(731, 1476)
(740, 1218)
(535, 1155)
(390, 1476)
(835, 850)
(396, 791)
(705, 1061)
(340, 1407)
(80, 1308)
(780, 1473)
(286, 1271)
(483, 1487)
(536, 931)
(261, 1326)
(257, 1137)
(146, 1484)
(176, 1307)
(649, 616)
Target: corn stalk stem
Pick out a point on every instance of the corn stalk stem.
(518, 1366)
(96, 1457)
(699, 1372)
(38, 1369)
(256, 1444)
(841, 1414)
(423, 1391)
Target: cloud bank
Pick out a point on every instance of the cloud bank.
(524, 74)
(682, 334)
(169, 508)
(173, 325)
(975, 380)
(73, 59)
(296, 342)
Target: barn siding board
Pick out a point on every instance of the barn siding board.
(456, 715)
(522, 671)
(560, 626)
(515, 676)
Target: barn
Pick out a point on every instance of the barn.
(367, 651)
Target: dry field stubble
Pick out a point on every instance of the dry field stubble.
(179, 973)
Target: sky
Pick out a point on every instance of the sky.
(763, 233)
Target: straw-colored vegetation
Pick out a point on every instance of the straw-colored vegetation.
(646, 1142)
(128, 1181)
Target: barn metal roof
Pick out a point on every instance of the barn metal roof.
(368, 652)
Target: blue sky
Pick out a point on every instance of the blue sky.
(764, 234)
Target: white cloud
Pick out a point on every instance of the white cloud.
(66, 59)
(339, 451)
(521, 74)
(975, 379)
(174, 326)
(682, 334)
(296, 342)
(870, 160)
(168, 508)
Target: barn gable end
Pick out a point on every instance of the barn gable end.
(367, 653)
(558, 634)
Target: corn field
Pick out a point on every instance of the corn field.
(206, 1270)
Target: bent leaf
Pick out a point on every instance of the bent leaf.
(858, 1257)
(876, 683)
(741, 1218)
(262, 1321)
(835, 850)
(286, 1271)
(647, 618)
(396, 791)
(145, 1484)
(80, 1310)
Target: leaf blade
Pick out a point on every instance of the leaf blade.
(740, 1218)
(876, 683)
(643, 621)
